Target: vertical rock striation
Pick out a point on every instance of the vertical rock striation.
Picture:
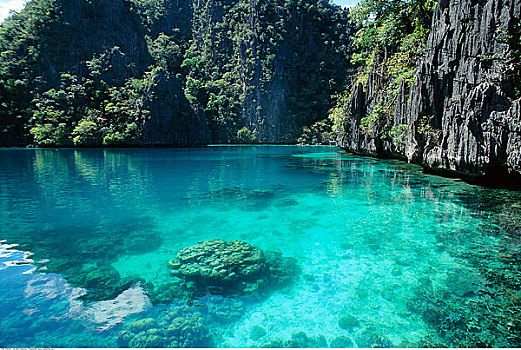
(172, 121)
(281, 62)
(224, 70)
(463, 114)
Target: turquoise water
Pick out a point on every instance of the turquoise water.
(388, 256)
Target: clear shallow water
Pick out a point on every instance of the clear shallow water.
(409, 259)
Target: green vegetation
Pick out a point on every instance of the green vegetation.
(85, 112)
(43, 103)
(317, 134)
(245, 135)
(390, 41)
(90, 80)
(239, 59)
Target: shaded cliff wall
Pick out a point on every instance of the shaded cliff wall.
(67, 34)
(462, 114)
(301, 66)
(81, 30)
(270, 66)
(118, 23)
(231, 70)
(172, 121)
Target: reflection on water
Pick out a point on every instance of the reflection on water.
(389, 256)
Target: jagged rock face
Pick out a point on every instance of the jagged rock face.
(467, 83)
(87, 29)
(278, 50)
(81, 31)
(172, 121)
(270, 67)
(464, 92)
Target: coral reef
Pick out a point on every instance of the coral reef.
(223, 309)
(299, 340)
(85, 255)
(341, 342)
(247, 199)
(257, 332)
(179, 327)
(348, 322)
(231, 268)
(166, 292)
(102, 282)
(486, 316)
(372, 338)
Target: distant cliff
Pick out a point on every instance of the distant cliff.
(461, 115)
(162, 72)
(266, 67)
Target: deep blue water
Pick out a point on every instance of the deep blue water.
(388, 256)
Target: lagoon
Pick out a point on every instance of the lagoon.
(388, 256)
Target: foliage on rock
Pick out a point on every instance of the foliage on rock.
(390, 41)
(254, 72)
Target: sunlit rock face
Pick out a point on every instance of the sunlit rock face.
(463, 113)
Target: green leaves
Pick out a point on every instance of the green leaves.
(245, 135)
(86, 134)
(86, 112)
(390, 41)
(240, 62)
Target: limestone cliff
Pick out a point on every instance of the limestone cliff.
(269, 66)
(463, 114)
(172, 121)
(67, 36)
(116, 24)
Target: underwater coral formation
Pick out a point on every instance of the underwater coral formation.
(179, 327)
(299, 340)
(231, 268)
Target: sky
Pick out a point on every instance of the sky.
(6, 5)
(344, 3)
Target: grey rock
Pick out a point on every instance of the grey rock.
(172, 121)
(464, 89)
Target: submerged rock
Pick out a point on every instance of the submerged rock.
(222, 309)
(139, 242)
(164, 293)
(247, 199)
(348, 322)
(142, 325)
(257, 332)
(341, 342)
(103, 282)
(301, 340)
(298, 340)
(231, 268)
(371, 338)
